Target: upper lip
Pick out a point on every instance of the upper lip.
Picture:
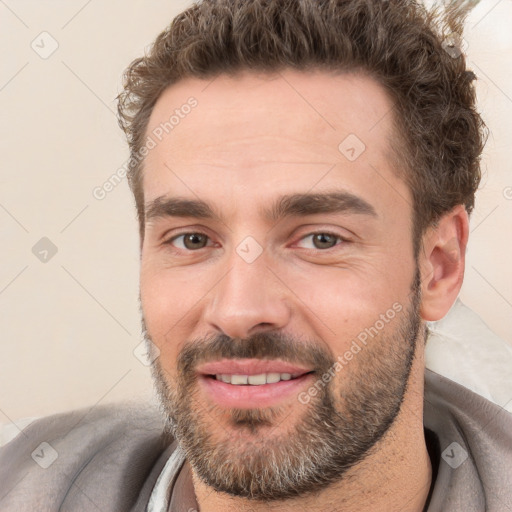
(250, 367)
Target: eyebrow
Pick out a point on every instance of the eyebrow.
(300, 205)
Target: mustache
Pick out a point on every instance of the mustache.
(267, 346)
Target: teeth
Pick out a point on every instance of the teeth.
(254, 380)
(239, 379)
(273, 377)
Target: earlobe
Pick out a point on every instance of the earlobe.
(442, 263)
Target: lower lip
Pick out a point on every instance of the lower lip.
(252, 397)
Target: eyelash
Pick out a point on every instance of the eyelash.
(343, 240)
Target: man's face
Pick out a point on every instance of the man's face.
(286, 319)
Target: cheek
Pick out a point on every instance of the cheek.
(342, 305)
(171, 300)
(162, 302)
(359, 284)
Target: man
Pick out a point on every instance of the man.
(303, 173)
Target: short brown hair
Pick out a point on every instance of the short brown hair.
(401, 44)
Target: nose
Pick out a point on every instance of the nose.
(249, 299)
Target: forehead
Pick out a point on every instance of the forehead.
(262, 131)
(318, 100)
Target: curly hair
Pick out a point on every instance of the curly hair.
(408, 49)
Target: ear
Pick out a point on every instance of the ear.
(442, 262)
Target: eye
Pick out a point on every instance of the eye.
(189, 241)
(323, 240)
(194, 241)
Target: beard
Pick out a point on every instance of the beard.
(279, 453)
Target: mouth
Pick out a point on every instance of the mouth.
(254, 380)
(250, 383)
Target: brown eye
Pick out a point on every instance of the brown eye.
(318, 242)
(190, 241)
(321, 240)
(324, 240)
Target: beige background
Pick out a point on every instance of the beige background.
(69, 327)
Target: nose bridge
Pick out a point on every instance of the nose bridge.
(248, 297)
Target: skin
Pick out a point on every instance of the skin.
(251, 139)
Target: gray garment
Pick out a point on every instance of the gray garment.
(110, 457)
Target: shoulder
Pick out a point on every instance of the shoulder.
(60, 456)
(89, 427)
(446, 399)
(475, 443)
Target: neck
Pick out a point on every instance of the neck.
(396, 474)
